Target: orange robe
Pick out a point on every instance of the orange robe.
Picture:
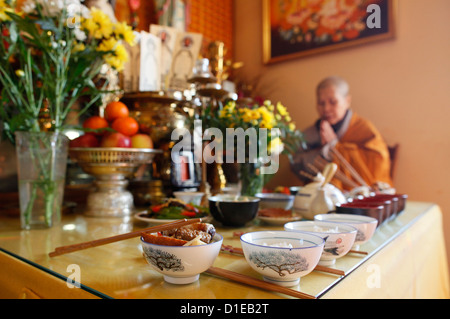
(359, 143)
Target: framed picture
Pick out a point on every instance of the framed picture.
(184, 170)
(298, 28)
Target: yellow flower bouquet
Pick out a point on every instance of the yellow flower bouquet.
(287, 139)
(52, 54)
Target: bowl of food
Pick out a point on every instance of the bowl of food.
(190, 197)
(339, 238)
(231, 210)
(182, 254)
(275, 200)
(282, 257)
(365, 225)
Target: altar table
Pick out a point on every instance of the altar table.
(406, 258)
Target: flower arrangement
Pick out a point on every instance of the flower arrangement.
(51, 55)
(265, 115)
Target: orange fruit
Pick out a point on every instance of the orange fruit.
(126, 125)
(96, 123)
(115, 110)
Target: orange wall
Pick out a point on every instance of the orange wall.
(402, 85)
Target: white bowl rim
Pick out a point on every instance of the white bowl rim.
(284, 233)
(347, 218)
(350, 229)
(274, 196)
(224, 199)
(218, 240)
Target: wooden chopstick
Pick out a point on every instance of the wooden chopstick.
(339, 174)
(257, 283)
(239, 251)
(108, 240)
(307, 175)
(329, 270)
(349, 167)
(358, 252)
(232, 250)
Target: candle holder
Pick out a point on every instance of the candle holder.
(111, 168)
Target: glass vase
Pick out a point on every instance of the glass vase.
(41, 170)
(251, 179)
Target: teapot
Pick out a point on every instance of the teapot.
(320, 193)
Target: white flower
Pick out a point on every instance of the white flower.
(29, 6)
(79, 34)
(276, 146)
(74, 8)
(55, 7)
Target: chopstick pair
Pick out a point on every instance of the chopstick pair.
(320, 162)
(257, 283)
(108, 240)
(348, 166)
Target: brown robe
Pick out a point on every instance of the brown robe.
(359, 143)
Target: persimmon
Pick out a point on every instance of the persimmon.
(115, 110)
(96, 124)
(126, 125)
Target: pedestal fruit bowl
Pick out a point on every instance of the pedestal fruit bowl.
(111, 168)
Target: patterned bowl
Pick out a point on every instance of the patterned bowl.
(282, 257)
(339, 238)
(365, 225)
(181, 264)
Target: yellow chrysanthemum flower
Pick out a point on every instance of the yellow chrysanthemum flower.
(292, 126)
(78, 47)
(107, 45)
(117, 57)
(268, 119)
(276, 145)
(227, 110)
(99, 25)
(4, 8)
(124, 32)
(250, 116)
(281, 109)
(224, 113)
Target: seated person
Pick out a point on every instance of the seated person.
(341, 132)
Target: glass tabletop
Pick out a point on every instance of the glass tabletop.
(118, 270)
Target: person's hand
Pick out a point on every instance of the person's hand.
(327, 133)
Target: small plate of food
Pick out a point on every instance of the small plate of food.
(173, 209)
(277, 216)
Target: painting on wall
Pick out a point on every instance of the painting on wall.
(298, 28)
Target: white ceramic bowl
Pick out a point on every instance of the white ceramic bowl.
(182, 264)
(365, 225)
(190, 197)
(339, 238)
(275, 200)
(282, 265)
